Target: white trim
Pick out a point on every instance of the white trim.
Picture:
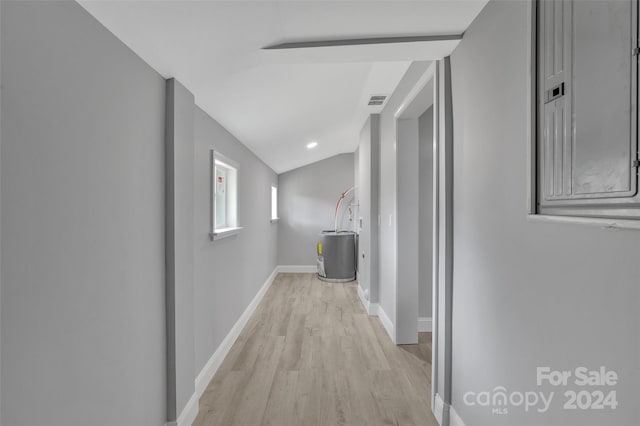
(210, 368)
(298, 269)
(454, 417)
(531, 106)
(603, 223)
(370, 308)
(224, 160)
(435, 262)
(428, 76)
(438, 409)
(387, 324)
(189, 412)
(444, 413)
(218, 234)
(416, 89)
(445, 237)
(425, 324)
(373, 309)
(231, 217)
(363, 299)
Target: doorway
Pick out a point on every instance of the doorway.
(415, 137)
(424, 244)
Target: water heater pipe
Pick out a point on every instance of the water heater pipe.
(342, 197)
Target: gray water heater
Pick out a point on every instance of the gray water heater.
(337, 256)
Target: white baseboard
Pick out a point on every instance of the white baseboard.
(298, 269)
(425, 324)
(189, 413)
(363, 299)
(386, 322)
(438, 409)
(370, 308)
(454, 418)
(210, 368)
(441, 411)
(373, 309)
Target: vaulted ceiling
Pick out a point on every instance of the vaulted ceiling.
(276, 101)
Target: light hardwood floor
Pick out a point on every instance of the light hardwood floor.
(311, 356)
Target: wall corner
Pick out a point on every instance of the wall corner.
(179, 249)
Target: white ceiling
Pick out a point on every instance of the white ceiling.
(276, 101)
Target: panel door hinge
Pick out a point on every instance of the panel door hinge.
(636, 163)
(636, 51)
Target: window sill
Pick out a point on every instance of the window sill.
(276, 220)
(603, 223)
(221, 233)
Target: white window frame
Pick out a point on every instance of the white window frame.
(533, 215)
(274, 206)
(231, 225)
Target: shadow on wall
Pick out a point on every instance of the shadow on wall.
(307, 208)
(307, 202)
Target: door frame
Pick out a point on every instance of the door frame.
(417, 91)
(432, 74)
(442, 259)
(443, 246)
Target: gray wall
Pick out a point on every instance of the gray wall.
(444, 238)
(356, 173)
(425, 133)
(363, 199)
(527, 294)
(408, 236)
(367, 192)
(387, 194)
(179, 245)
(0, 208)
(83, 315)
(229, 272)
(307, 197)
(83, 307)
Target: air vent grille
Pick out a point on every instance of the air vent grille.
(377, 100)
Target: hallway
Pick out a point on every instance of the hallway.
(175, 175)
(310, 355)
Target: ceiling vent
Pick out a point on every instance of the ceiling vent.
(377, 100)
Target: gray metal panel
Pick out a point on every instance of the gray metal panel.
(553, 35)
(602, 155)
(588, 136)
(555, 68)
(557, 150)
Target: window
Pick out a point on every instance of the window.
(274, 203)
(224, 195)
(587, 78)
(221, 196)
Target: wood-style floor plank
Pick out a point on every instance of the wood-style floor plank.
(311, 356)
